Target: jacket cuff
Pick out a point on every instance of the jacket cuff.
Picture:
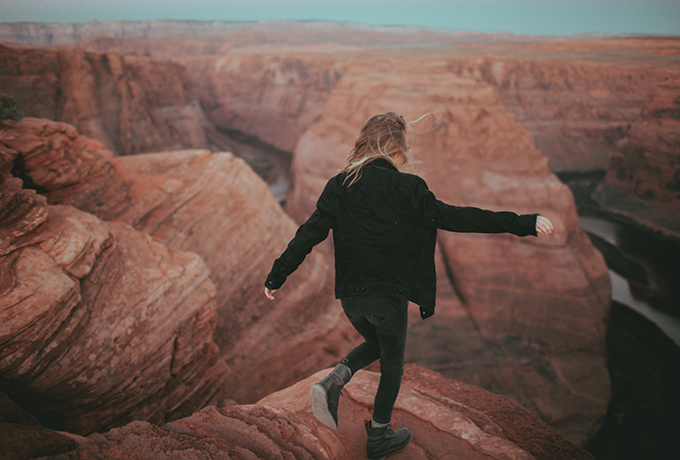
(528, 224)
(272, 283)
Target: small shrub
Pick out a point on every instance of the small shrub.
(9, 110)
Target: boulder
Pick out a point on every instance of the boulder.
(100, 324)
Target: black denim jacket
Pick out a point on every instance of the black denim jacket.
(384, 233)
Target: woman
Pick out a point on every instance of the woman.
(384, 224)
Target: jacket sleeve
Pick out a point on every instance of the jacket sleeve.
(432, 212)
(308, 235)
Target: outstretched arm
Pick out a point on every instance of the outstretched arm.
(433, 212)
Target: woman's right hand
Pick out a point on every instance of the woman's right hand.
(543, 225)
(269, 294)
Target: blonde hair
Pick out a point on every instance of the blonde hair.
(381, 136)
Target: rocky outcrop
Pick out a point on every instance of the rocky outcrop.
(647, 162)
(576, 110)
(536, 306)
(215, 206)
(448, 419)
(131, 104)
(274, 97)
(100, 324)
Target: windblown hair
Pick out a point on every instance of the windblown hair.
(381, 136)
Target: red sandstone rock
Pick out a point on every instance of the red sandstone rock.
(273, 97)
(536, 306)
(130, 104)
(448, 420)
(647, 163)
(103, 325)
(582, 116)
(575, 109)
(213, 205)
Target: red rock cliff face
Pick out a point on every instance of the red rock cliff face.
(130, 104)
(275, 97)
(647, 163)
(215, 206)
(575, 108)
(536, 306)
(100, 323)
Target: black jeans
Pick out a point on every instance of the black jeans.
(382, 321)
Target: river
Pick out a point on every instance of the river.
(654, 294)
(642, 336)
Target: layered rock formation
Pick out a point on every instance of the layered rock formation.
(647, 163)
(130, 104)
(448, 419)
(523, 317)
(577, 99)
(215, 206)
(101, 325)
(271, 96)
(537, 307)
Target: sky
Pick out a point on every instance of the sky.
(519, 17)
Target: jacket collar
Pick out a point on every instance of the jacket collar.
(383, 164)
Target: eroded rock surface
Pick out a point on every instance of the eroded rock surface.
(211, 204)
(448, 420)
(647, 163)
(101, 324)
(130, 104)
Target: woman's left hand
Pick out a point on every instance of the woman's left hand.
(543, 225)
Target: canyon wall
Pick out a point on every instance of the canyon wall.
(101, 325)
(576, 110)
(274, 97)
(647, 162)
(130, 104)
(522, 317)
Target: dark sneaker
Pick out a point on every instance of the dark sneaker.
(384, 441)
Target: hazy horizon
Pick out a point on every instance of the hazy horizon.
(518, 17)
